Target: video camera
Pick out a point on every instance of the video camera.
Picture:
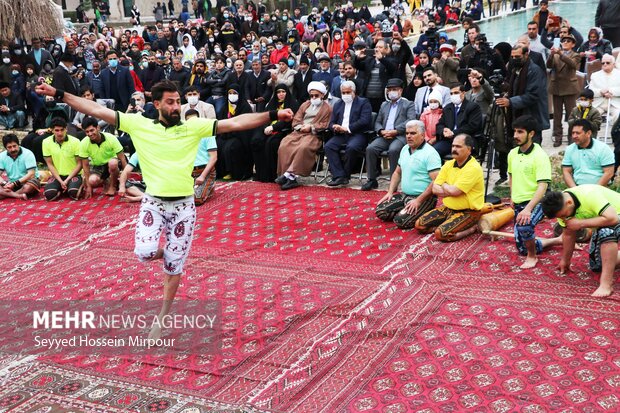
(496, 81)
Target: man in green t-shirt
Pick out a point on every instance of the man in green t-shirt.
(529, 174)
(61, 154)
(101, 154)
(167, 149)
(589, 206)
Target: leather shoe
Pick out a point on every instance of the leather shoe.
(371, 184)
(281, 180)
(338, 182)
(290, 184)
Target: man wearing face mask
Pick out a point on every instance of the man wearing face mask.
(151, 75)
(460, 116)
(351, 117)
(117, 82)
(204, 109)
(390, 126)
(527, 92)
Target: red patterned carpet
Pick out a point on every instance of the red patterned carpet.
(323, 308)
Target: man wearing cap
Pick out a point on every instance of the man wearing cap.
(297, 151)
(325, 73)
(584, 110)
(12, 109)
(283, 74)
(62, 77)
(302, 79)
(351, 117)
(390, 128)
(563, 83)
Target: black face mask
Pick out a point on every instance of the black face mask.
(199, 71)
(152, 65)
(50, 104)
(517, 63)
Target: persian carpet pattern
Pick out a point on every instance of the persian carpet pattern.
(324, 309)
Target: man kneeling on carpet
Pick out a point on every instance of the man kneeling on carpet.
(62, 156)
(588, 206)
(529, 174)
(417, 168)
(20, 166)
(101, 154)
(461, 184)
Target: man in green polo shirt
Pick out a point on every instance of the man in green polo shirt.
(529, 175)
(20, 166)
(589, 206)
(418, 166)
(61, 154)
(167, 149)
(105, 152)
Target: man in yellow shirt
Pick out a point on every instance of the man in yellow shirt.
(61, 154)
(461, 184)
(167, 149)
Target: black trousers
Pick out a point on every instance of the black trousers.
(265, 155)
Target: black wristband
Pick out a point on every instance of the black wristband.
(59, 95)
(273, 115)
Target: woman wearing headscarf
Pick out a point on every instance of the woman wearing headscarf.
(297, 151)
(595, 47)
(233, 149)
(265, 142)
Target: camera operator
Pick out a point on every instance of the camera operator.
(429, 40)
(485, 57)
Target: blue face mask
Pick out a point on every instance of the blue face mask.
(113, 63)
(291, 63)
(15, 72)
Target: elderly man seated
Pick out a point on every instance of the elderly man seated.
(390, 128)
(418, 166)
(605, 84)
(461, 184)
(297, 151)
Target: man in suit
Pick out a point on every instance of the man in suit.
(302, 79)
(117, 82)
(93, 79)
(390, 127)
(39, 55)
(351, 117)
(421, 97)
(460, 116)
(62, 78)
(257, 91)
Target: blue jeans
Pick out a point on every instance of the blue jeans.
(527, 232)
(12, 120)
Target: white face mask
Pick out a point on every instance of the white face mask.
(433, 105)
(233, 98)
(315, 101)
(584, 103)
(192, 100)
(455, 99)
(347, 98)
(6, 60)
(393, 95)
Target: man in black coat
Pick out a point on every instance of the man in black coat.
(459, 116)
(39, 54)
(257, 91)
(179, 73)
(117, 82)
(301, 80)
(373, 86)
(62, 77)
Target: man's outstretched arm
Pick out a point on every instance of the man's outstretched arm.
(80, 104)
(252, 121)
